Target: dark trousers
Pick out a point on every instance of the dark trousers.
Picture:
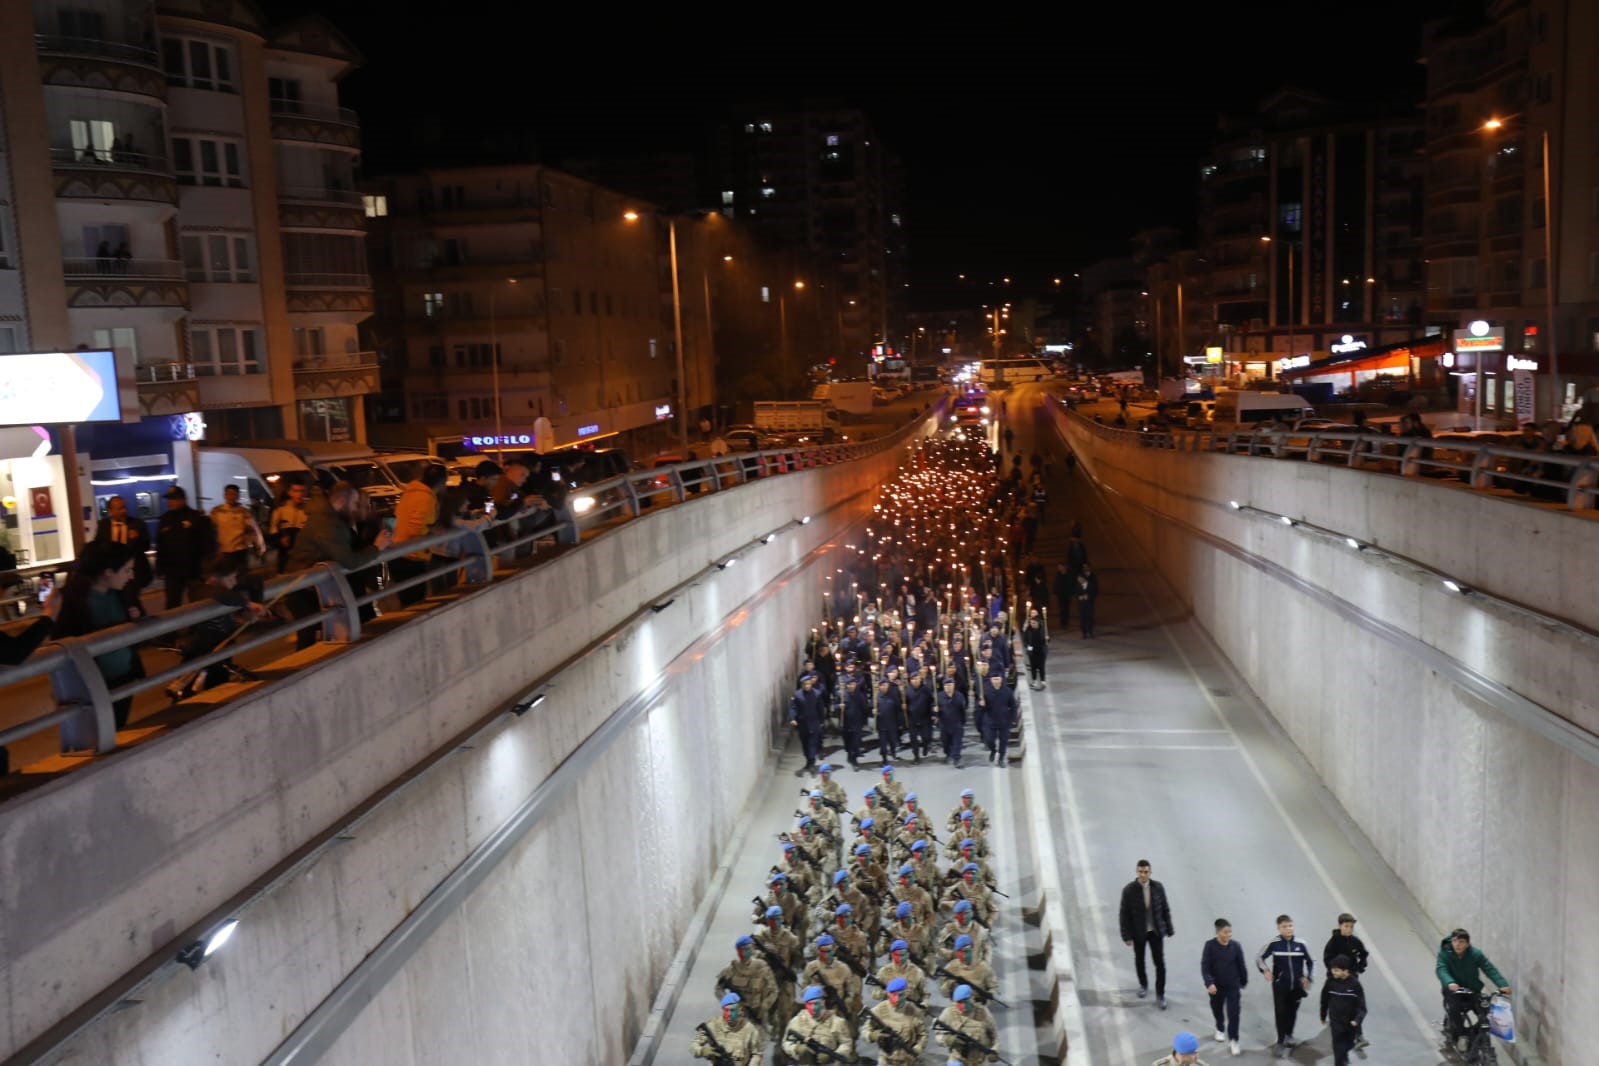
(403, 569)
(1343, 1042)
(1224, 1006)
(810, 744)
(999, 744)
(179, 587)
(953, 736)
(1035, 668)
(1285, 1004)
(1065, 609)
(922, 736)
(852, 741)
(302, 603)
(1157, 951)
(1085, 615)
(887, 738)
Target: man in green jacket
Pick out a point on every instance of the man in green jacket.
(1459, 969)
(328, 536)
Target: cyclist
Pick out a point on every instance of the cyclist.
(1458, 971)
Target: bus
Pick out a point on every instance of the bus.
(1001, 372)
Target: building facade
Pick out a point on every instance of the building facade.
(178, 186)
(523, 301)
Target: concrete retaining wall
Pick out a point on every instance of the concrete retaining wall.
(116, 861)
(1403, 694)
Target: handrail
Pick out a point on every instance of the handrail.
(1556, 476)
(104, 266)
(83, 701)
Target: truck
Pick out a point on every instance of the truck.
(796, 416)
(848, 397)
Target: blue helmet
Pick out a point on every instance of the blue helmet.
(898, 984)
(824, 941)
(868, 823)
(920, 845)
(816, 794)
(863, 849)
(814, 993)
(899, 945)
(842, 874)
(731, 999)
(744, 942)
(887, 769)
(969, 868)
(964, 992)
(962, 942)
(777, 878)
(907, 870)
(805, 821)
(910, 797)
(968, 843)
(962, 906)
(902, 911)
(967, 793)
(844, 908)
(825, 768)
(1185, 1043)
(774, 912)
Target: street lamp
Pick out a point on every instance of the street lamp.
(1493, 125)
(1293, 310)
(494, 353)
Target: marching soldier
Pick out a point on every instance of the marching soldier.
(908, 890)
(869, 874)
(895, 1026)
(729, 1038)
(968, 856)
(820, 847)
(914, 931)
(969, 802)
(964, 970)
(963, 924)
(1001, 716)
(919, 710)
(816, 1036)
(968, 819)
(832, 791)
(966, 1028)
(781, 947)
(750, 977)
(873, 808)
(842, 984)
(888, 723)
(824, 816)
(797, 868)
(868, 836)
(900, 966)
(777, 894)
(925, 861)
(865, 910)
(856, 710)
(807, 713)
(951, 720)
(848, 937)
(972, 890)
(891, 790)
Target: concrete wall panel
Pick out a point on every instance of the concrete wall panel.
(1490, 825)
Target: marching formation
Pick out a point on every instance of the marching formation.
(871, 917)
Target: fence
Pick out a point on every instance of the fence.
(1572, 480)
(84, 702)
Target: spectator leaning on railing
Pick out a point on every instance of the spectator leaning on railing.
(329, 536)
(415, 516)
(91, 601)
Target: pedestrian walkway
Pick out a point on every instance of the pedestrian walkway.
(1154, 749)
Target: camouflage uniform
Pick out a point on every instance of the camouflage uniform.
(743, 1040)
(827, 1029)
(976, 1023)
(907, 1029)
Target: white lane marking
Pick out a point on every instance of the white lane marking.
(1093, 729)
(1154, 747)
(1422, 1024)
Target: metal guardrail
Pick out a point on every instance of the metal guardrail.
(1555, 476)
(304, 364)
(281, 108)
(83, 700)
(90, 46)
(110, 266)
(96, 158)
(319, 194)
(296, 280)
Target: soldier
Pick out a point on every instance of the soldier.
(967, 1029)
(907, 927)
(968, 819)
(951, 720)
(1184, 1051)
(750, 976)
(974, 891)
(865, 911)
(780, 947)
(797, 868)
(849, 939)
(856, 711)
(912, 830)
(963, 924)
(777, 894)
(963, 969)
(820, 847)
(832, 792)
(807, 713)
(891, 790)
(906, 889)
(979, 820)
(823, 816)
(1001, 716)
(900, 966)
(816, 1035)
(968, 855)
(842, 985)
(731, 1039)
(888, 724)
(866, 829)
(896, 1027)
(925, 862)
(919, 711)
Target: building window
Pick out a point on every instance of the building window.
(1509, 394)
(198, 64)
(119, 339)
(207, 161)
(832, 140)
(765, 127)
(92, 140)
(767, 192)
(1529, 337)
(1291, 214)
(376, 206)
(224, 351)
(217, 257)
(766, 295)
(432, 304)
(436, 356)
(1536, 272)
(8, 340)
(727, 196)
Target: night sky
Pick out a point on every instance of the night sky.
(1032, 147)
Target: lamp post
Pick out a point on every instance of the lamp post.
(1293, 311)
(677, 339)
(494, 358)
(1557, 401)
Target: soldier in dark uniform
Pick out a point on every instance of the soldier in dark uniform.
(887, 721)
(952, 721)
(806, 711)
(1001, 715)
(856, 709)
(919, 709)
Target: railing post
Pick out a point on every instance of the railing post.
(83, 684)
(1481, 477)
(333, 590)
(716, 476)
(567, 531)
(1410, 463)
(633, 504)
(1580, 496)
(679, 489)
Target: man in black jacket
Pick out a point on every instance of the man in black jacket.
(952, 720)
(919, 709)
(1287, 963)
(1001, 704)
(184, 540)
(805, 714)
(1146, 922)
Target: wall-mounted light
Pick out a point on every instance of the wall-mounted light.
(192, 955)
(1235, 505)
(1454, 586)
(805, 520)
(1285, 520)
(659, 607)
(1353, 543)
(725, 563)
(525, 706)
(768, 538)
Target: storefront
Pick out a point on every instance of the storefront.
(1505, 389)
(139, 461)
(33, 496)
(1412, 366)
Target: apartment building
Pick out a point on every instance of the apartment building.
(1508, 87)
(523, 301)
(177, 185)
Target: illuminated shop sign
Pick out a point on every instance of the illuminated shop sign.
(588, 430)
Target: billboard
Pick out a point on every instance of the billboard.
(55, 388)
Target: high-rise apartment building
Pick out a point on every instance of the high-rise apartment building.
(1310, 231)
(820, 178)
(1505, 89)
(523, 301)
(178, 185)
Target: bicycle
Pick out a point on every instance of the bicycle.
(1479, 1049)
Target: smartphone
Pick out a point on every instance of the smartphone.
(488, 507)
(46, 586)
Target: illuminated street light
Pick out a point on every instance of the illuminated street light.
(631, 216)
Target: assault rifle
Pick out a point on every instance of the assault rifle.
(779, 967)
(723, 1057)
(971, 1043)
(857, 966)
(982, 997)
(831, 1055)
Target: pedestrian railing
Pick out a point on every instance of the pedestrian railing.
(83, 701)
(1569, 479)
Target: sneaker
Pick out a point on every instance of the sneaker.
(1161, 1002)
(1142, 993)
(1221, 1037)
(1361, 1043)
(1234, 1049)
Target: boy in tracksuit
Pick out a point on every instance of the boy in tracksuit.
(1288, 964)
(1343, 941)
(1343, 1007)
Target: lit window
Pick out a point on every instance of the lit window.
(766, 295)
(376, 206)
(766, 127)
(432, 304)
(749, 127)
(767, 192)
(832, 140)
(893, 219)
(727, 196)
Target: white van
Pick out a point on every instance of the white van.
(261, 475)
(1245, 410)
(332, 461)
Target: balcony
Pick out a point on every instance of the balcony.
(310, 293)
(336, 374)
(314, 194)
(87, 63)
(112, 282)
(319, 208)
(101, 174)
(328, 124)
(167, 388)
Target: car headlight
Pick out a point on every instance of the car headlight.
(985, 420)
(985, 410)
(582, 504)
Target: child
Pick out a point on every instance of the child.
(1343, 1007)
(222, 580)
(1287, 964)
(1344, 942)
